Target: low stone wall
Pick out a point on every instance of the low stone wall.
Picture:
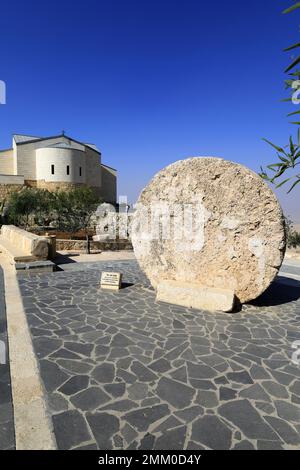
(28, 243)
(9, 184)
(80, 245)
(58, 185)
(7, 189)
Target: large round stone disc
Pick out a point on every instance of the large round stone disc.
(210, 221)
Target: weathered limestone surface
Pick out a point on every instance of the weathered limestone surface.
(226, 227)
(195, 296)
(28, 243)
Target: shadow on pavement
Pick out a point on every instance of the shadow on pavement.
(64, 259)
(282, 291)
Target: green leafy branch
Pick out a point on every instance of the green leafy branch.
(289, 155)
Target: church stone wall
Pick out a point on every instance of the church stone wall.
(61, 158)
(6, 162)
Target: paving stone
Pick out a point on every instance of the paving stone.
(259, 351)
(103, 427)
(6, 412)
(120, 340)
(200, 371)
(240, 377)
(126, 376)
(52, 375)
(190, 414)
(265, 407)
(178, 325)
(203, 384)
(206, 398)
(128, 433)
(288, 411)
(180, 374)
(104, 373)
(269, 445)
(284, 430)
(7, 435)
(275, 389)
(44, 346)
(169, 423)
(282, 378)
(226, 393)
(74, 367)
(211, 432)
(243, 415)
(147, 442)
(142, 418)
(90, 399)
(295, 399)
(64, 353)
(116, 353)
(295, 388)
(160, 365)
(143, 373)
(124, 363)
(194, 446)
(254, 392)
(120, 405)
(172, 439)
(86, 447)
(221, 380)
(175, 393)
(80, 348)
(138, 391)
(244, 445)
(115, 389)
(101, 350)
(74, 384)
(259, 373)
(176, 352)
(70, 429)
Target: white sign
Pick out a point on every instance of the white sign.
(110, 280)
(2, 92)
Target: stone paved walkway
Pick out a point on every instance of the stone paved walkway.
(123, 372)
(7, 433)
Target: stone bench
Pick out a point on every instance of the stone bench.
(22, 246)
(35, 267)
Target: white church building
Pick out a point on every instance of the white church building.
(58, 162)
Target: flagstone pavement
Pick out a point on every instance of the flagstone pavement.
(121, 371)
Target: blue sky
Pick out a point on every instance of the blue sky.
(150, 82)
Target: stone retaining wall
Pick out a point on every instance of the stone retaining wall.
(27, 242)
(64, 245)
(7, 189)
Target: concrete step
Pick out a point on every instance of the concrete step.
(35, 267)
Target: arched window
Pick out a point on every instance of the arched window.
(68, 169)
(52, 169)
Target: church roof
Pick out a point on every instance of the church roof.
(24, 139)
(20, 138)
(66, 145)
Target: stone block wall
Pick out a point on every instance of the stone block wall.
(80, 245)
(7, 189)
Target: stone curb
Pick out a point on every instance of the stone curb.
(33, 428)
